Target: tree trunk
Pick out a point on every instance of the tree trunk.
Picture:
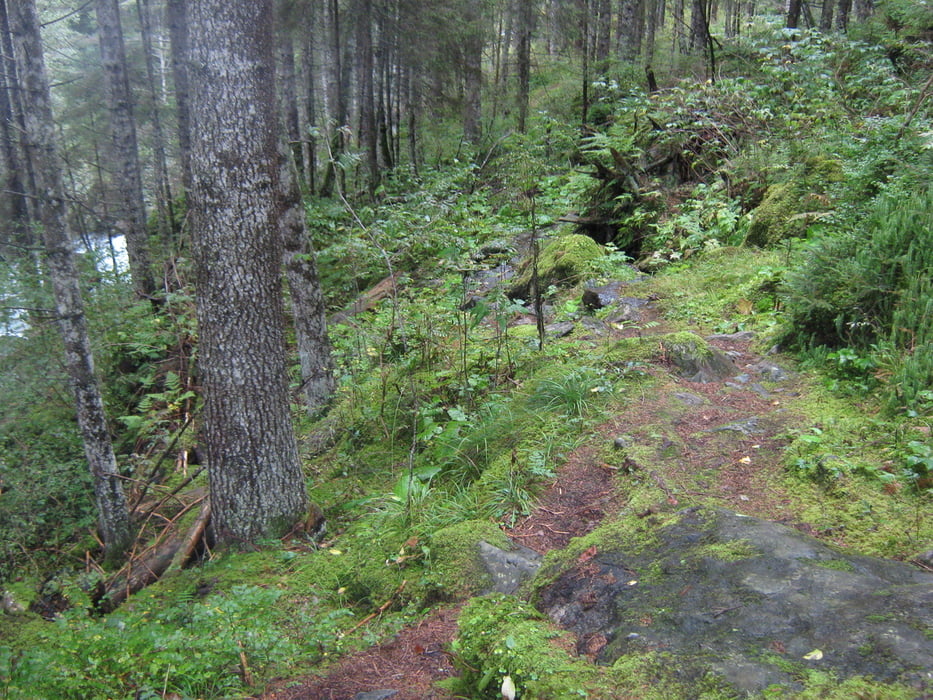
(39, 139)
(257, 486)
(177, 20)
(603, 35)
(842, 15)
(288, 96)
(864, 9)
(131, 220)
(678, 34)
(826, 15)
(792, 14)
(585, 88)
(164, 204)
(366, 97)
(334, 98)
(16, 209)
(307, 104)
(698, 37)
(628, 29)
(473, 72)
(526, 18)
(308, 305)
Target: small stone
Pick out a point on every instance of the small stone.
(376, 695)
(620, 443)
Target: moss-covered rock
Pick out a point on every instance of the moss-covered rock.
(695, 359)
(563, 262)
(788, 208)
(456, 567)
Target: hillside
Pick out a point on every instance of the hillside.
(635, 409)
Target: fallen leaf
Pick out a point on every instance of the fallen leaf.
(746, 460)
(587, 554)
(814, 655)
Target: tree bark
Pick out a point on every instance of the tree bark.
(629, 26)
(366, 96)
(257, 486)
(16, 209)
(177, 20)
(164, 204)
(792, 14)
(131, 221)
(526, 18)
(603, 35)
(842, 15)
(309, 309)
(473, 71)
(39, 139)
(826, 15)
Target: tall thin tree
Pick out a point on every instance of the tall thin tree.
(39, 138)
(131, 221)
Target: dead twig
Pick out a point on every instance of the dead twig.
(382, 608)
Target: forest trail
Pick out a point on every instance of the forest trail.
(718, 443)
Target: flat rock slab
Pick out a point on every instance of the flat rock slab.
(754, 600)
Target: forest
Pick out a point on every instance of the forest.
(356, 349)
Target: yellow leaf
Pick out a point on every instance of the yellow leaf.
(814, 655)
(335, 552)
(746, 460)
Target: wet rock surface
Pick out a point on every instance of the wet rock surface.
(753, 600)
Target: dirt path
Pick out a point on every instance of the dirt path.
(718, 443)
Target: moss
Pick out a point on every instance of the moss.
(456, 568)
(499, 636)
(564, 261)
(734, 550)
(628, 351)
(836, 565)
(790, 207)
(824, 686)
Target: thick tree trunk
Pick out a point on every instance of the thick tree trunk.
(39, 140)
(131, 220)
(177, 20)
(257, 486)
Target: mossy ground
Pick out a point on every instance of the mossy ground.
(400, 554)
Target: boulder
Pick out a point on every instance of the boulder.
(758, 603)
(563, 262)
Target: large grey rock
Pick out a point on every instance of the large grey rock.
(508, 570)
(751, 599)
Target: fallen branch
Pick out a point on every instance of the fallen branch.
(195, 533)
(382, 609)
